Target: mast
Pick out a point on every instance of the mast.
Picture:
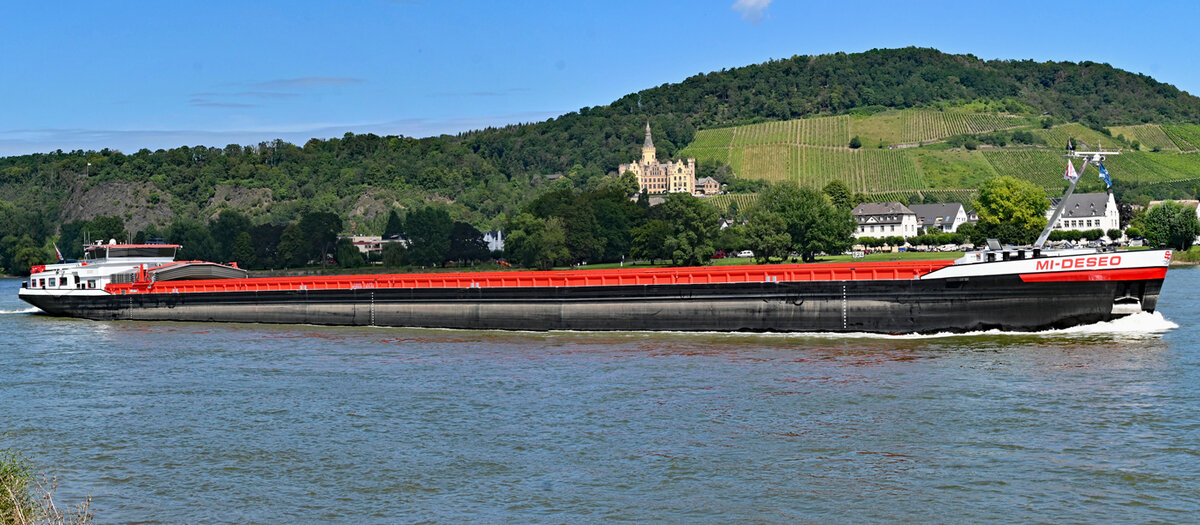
(1088, 157)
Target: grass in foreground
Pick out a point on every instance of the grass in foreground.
(25, 501)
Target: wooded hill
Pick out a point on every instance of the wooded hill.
(485, 176)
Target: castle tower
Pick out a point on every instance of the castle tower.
(648, 154)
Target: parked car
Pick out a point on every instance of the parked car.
(745, 253)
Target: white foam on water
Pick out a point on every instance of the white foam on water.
(1141, 324)
(29, 310)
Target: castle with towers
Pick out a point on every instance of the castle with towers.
(667, 177)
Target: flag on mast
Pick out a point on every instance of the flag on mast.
(1070, 174)
(1104, 175)
(58, 253)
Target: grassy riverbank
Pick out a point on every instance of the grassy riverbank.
(1190, 257)
(24, 500)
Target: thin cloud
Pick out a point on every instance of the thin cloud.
(752, 10)
(306, 82)
(236, 99)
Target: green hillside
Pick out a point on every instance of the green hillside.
(919, 153)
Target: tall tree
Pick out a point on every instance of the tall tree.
(106, 229)
(293, 247)
(197, 241)
(839, 194)
(466, 243)
(1171, 225)
(768, 234)
(394, 225)
(243, 251)
(428, 232)
(814, 224)
(225, 230)
(536, 242)
(650, 241)
(1011, 209)
(320, 231)
(694, 226)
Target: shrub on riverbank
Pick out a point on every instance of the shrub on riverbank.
(24, 501)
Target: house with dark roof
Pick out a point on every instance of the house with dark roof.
(945, 217)
(1086, 211)
(884, 219)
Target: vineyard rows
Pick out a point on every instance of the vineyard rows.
(826, 131)
(964, 197)
(1150, 135)
(779, 132)
(1084, 138)
(864, 170)
(1041, 167)
(1146, 168)
(925, 126)
(821, 131)
(1186, 136)
(706, 155)
(745, 201)
(713, 138)
(773, 163)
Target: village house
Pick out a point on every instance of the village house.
(945, 217)
(706, 186)
(884, 219)
(1086, 211)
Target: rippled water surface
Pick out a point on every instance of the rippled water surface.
(220, 423)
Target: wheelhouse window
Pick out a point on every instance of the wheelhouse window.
(111, 252)
(91, 284)
(62, 281)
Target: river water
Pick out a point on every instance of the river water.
(223, 423)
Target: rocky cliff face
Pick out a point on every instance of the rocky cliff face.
(138, 204)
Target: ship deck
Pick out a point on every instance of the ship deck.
(898, 270)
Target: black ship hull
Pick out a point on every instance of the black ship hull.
(961, 304)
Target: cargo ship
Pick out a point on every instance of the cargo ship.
(1006, 289)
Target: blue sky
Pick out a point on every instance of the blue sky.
(128, 75)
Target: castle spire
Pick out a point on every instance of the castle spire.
(648, 156)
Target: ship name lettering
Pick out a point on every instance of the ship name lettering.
(1045, 265)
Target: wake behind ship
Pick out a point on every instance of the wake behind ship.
(1014, 289)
